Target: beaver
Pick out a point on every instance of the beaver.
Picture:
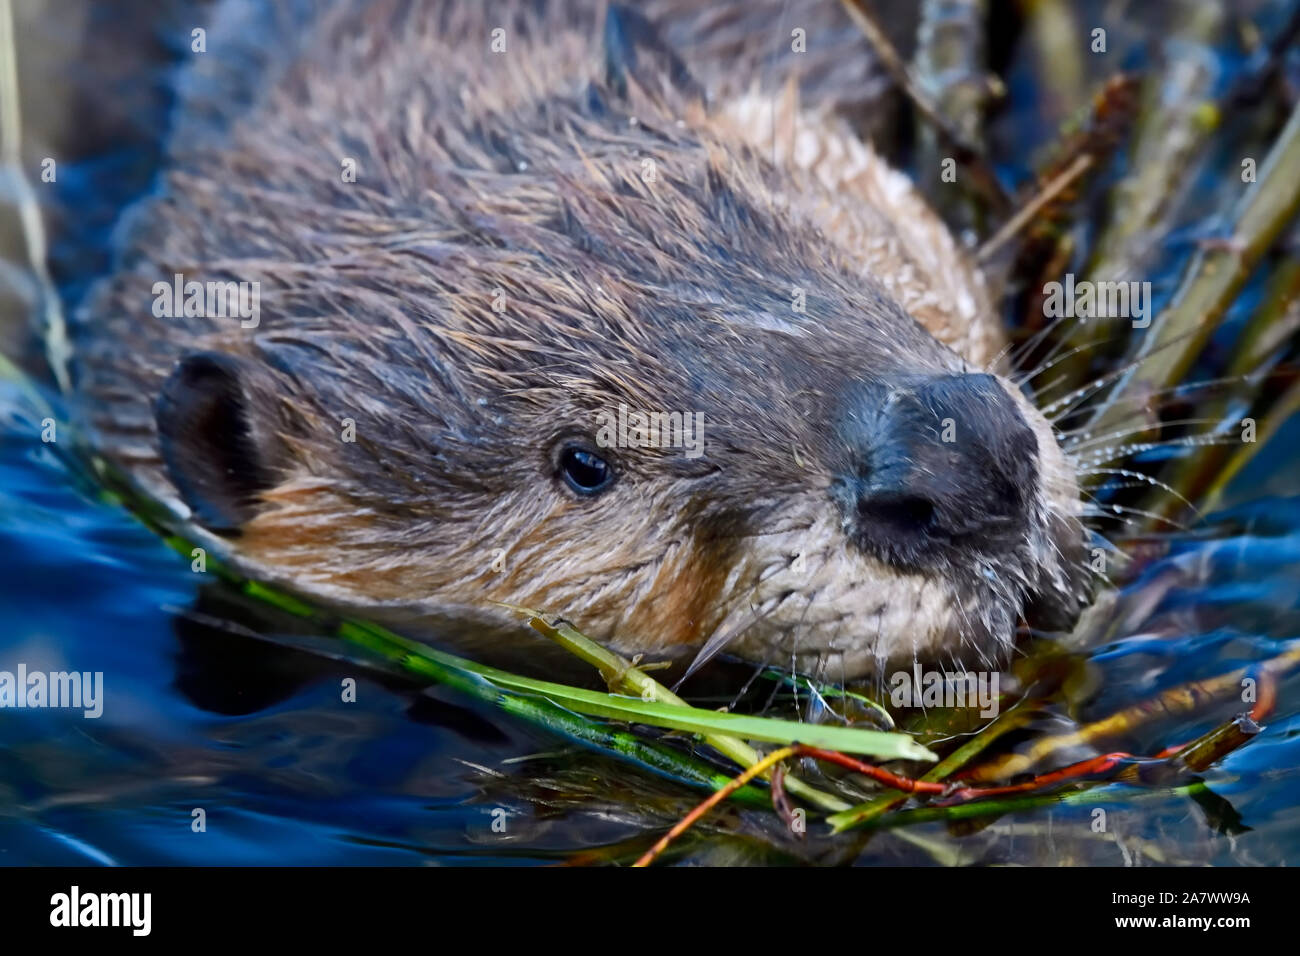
(475, 232)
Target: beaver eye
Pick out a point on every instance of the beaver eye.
(584, 471)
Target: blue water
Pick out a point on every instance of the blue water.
(256, 735)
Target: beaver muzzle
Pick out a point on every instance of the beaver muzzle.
(934, 469)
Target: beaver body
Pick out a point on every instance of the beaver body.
(476, 232)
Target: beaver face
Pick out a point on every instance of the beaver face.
(844, 494)
(893, 517)
(438, 408)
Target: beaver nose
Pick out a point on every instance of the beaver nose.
(931, 467)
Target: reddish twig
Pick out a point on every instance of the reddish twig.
(892, 780)
(1099, 766)
(1175, 760)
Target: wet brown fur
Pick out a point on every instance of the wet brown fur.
(523, 173)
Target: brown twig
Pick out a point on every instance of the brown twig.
(1084, 144)
(1031, 209)
(964, 151)
(1177, 118)
(949, 66)
(1171, 762)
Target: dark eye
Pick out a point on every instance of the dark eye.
(584, 471)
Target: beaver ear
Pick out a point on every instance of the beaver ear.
(210, 444)
(634, 48)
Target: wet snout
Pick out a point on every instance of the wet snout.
(933, 469)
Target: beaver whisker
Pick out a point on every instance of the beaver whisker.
(1082, 441)
(877, 655)
(1116, 512)
(799, 627)
(1095, 535)
(1095, 508)
(1036, 395)
(749, 682)
(1159, 398)
(993, 365)
(714, 646)
(1184, 442)
(826, 705)
(1142, 408)
(1052, 360)
(1026, 348)
(1139, 476)
(966, 638)
(1072, 399)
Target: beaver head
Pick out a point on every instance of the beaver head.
(470, 360)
